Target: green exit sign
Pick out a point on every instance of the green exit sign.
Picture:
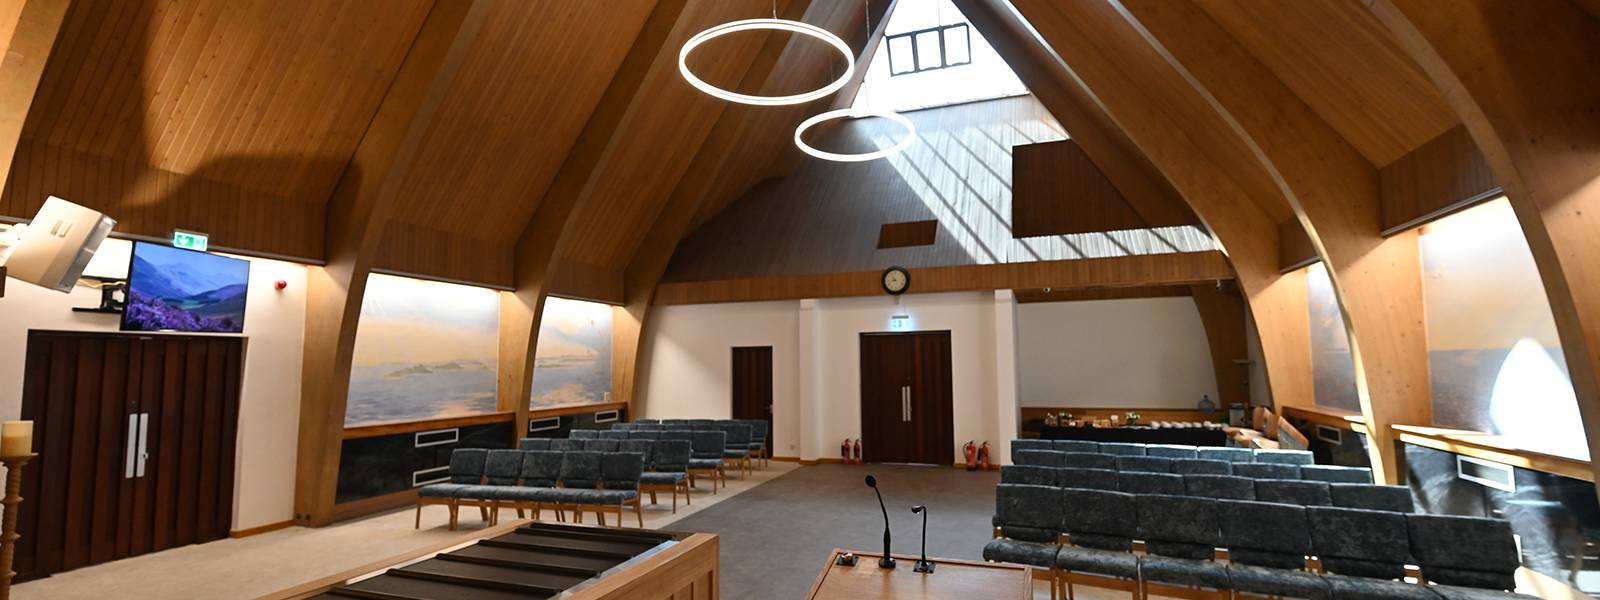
(900, 323)
(190, 240)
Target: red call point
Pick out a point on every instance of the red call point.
(280, 284)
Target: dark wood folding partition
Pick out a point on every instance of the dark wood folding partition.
(907, 403)
(135, 435)
(752, 385)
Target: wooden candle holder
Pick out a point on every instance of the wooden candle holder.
(8, 523)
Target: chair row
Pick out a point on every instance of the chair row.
(1174, 451)
(1361, 554)
(577, 480)
(739, 443)
(670, 464)
(758, 430)
(711, 454)
(1393, 498)
(1190, 466)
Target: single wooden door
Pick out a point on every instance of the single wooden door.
(135, 435)
(752, 386)
(907, 405)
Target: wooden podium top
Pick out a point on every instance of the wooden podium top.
(950, 580)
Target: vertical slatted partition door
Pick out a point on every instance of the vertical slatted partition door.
(135, 435)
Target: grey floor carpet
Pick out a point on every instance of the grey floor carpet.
(776, 537)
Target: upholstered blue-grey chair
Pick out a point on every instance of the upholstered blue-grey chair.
(758, 440)
(600, 445)
(1267, 548)
(1146, 464)
(647, 421)
(669, 463)
(566, 445)
(1122, 448)
(1030, 444)
(1363, 551)
(1336, 474)
(466, 469)
(698, 424)
(1392, 498)
(614, 434)
(1074, 446)
(1201, 466)
(579, 474)
(1088, 460)
(1029, 516)
(1039, 458)
(533, 444)
(1180, 536)
(1292, 491)
(540, 473)
(1135, 482)
(500, 468)
(583, 434)
(622, 426)
(1029, 475)
(684, 434)
(644, 448)
(1219, 487)
(1472, 552)
(1101, 526)
(1284, 457)
(1266, 470)
(647, 427)
(707, 456)
(675, 423)
(1171, 451)
(1087, 479)
(644, 434)
(619, 480)
(736, 446)
(1233, 455)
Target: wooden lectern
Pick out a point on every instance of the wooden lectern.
(951, 580)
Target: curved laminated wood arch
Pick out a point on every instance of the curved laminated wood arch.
(1522, 77)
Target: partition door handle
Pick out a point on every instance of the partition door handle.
(905, 403)
(133, 447)
(144, 441)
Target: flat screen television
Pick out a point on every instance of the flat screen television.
(172, 289)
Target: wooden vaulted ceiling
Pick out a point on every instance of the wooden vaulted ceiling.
(239, 118)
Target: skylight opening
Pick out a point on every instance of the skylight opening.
(932, 57)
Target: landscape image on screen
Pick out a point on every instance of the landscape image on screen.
(170, 289)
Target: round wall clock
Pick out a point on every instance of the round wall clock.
(896, 280)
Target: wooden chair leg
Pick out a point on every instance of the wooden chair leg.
(455, 509)
(687, 501)
(652, 496)
(419, 513)
(674, 498)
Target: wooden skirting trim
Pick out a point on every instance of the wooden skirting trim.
(831, 461)
(1153, 269)
(375, 505)
(1493, 448)
(787, 459)
(1332, 417)
(239, 533)
(393, 427)
(575, 410)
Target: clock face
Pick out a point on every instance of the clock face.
(896, 280)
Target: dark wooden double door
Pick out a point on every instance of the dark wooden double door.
(135, 436)
(752, 386)
(907, 405)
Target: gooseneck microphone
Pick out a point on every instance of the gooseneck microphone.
(924, 565)
(887, 562)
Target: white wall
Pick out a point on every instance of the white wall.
(1134, 353)
(269, 403)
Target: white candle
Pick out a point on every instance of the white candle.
(16, 438)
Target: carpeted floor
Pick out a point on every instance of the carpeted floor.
(776, 536)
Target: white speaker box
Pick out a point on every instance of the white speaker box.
(57, 245)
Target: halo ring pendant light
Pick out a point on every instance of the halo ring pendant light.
(911, 134)
(766, 24)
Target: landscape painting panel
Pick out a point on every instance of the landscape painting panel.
(424, 350)
(172, 289)
(572, 365)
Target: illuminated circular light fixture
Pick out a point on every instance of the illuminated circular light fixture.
(911, 134)
(766, 24)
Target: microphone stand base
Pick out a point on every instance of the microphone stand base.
(923, 566)
(886, 563)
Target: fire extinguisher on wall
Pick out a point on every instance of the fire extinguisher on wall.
(971, 452)
(983, 456)
(858, 451)
(844, 451)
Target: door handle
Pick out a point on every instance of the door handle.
(133, 447)
(905, 403)
(144, 439)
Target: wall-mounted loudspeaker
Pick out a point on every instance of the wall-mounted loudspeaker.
(54, 249)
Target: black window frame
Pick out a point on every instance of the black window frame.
(916, 58)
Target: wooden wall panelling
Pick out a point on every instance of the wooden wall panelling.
(1150, 269)
(1057, 190)
(357, 213)
(583, 281)
(1240, 211)
(903, 235)
(1444, 175)
(1222, 313)
(1334, 190)
(1295, 250)
(1542, 146)
(539, 249)
(1109, 293)
(28, 32)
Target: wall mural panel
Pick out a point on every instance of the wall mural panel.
(424, 350)
(572, 365)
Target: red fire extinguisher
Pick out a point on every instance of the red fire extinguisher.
(983, 456)
(844, 451)
(971, 451)
(858, 451)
